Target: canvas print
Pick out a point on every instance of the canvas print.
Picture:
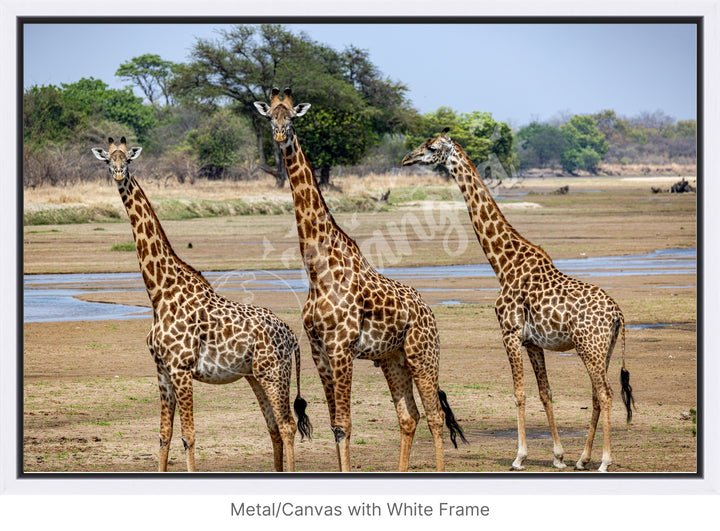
(457, 247)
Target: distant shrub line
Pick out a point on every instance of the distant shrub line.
(180, 209)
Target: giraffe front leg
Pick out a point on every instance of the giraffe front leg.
(322, 364)
(514, 352)
(167, 412)
(537, 358)
(183, 386)
(341, 363)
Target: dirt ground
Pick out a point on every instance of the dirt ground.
(90, 395)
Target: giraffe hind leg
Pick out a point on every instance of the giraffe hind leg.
(537, 359)
(400, 383)
(183, 386)
(423, 364)
(587, 450)
(602, 404)
(276, 410)
(428, 391)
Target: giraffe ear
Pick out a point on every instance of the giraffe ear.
(101, 154)
(301, 109)
(134, 153)
(445, 131)
(262, 107)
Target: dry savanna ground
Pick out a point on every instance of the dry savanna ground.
(90, 395)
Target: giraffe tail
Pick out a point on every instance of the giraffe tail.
(626, 388)
(300, 404)
(450, 420)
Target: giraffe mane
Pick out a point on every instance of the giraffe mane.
(165, 240)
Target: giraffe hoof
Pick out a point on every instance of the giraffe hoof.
(514, 468)
(559, 465)
(580, 466)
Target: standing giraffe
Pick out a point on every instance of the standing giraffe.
(199, 335)
(352, 311)
(539, 307)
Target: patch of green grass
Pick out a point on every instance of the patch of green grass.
(95, 344)
(181, 209)
(693, 414)
(425, 193)
(125, 246)
(476, 386)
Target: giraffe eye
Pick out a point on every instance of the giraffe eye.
(432, 149)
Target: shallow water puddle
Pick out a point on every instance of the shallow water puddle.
(53, 297)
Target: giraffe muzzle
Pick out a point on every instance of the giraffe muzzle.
(409, 159)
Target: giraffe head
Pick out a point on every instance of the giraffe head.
(433, 151)
(117, 158)
(281, 114)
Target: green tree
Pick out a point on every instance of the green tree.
(95, 99)
(585, 144)
(541, 144)
(686, 129)
(217, 143)
(249, 61)
(488, 143)
(331, 137)
(151, 73)
(49, 117)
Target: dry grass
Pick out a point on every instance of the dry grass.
(103, 191)
(648, 169)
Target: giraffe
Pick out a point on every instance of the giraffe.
(199, 335)
(539, 307)
(352, 311)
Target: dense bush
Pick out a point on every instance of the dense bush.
(583, 142)
(487, 142)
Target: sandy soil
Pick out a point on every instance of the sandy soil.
(90, 394)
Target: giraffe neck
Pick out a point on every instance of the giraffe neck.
(158, 262)
(499, 240)
(318, 233)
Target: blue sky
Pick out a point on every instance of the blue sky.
(518, 72)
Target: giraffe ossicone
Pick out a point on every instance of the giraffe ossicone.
(354, 312)
(197, 334)
(539, 307)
